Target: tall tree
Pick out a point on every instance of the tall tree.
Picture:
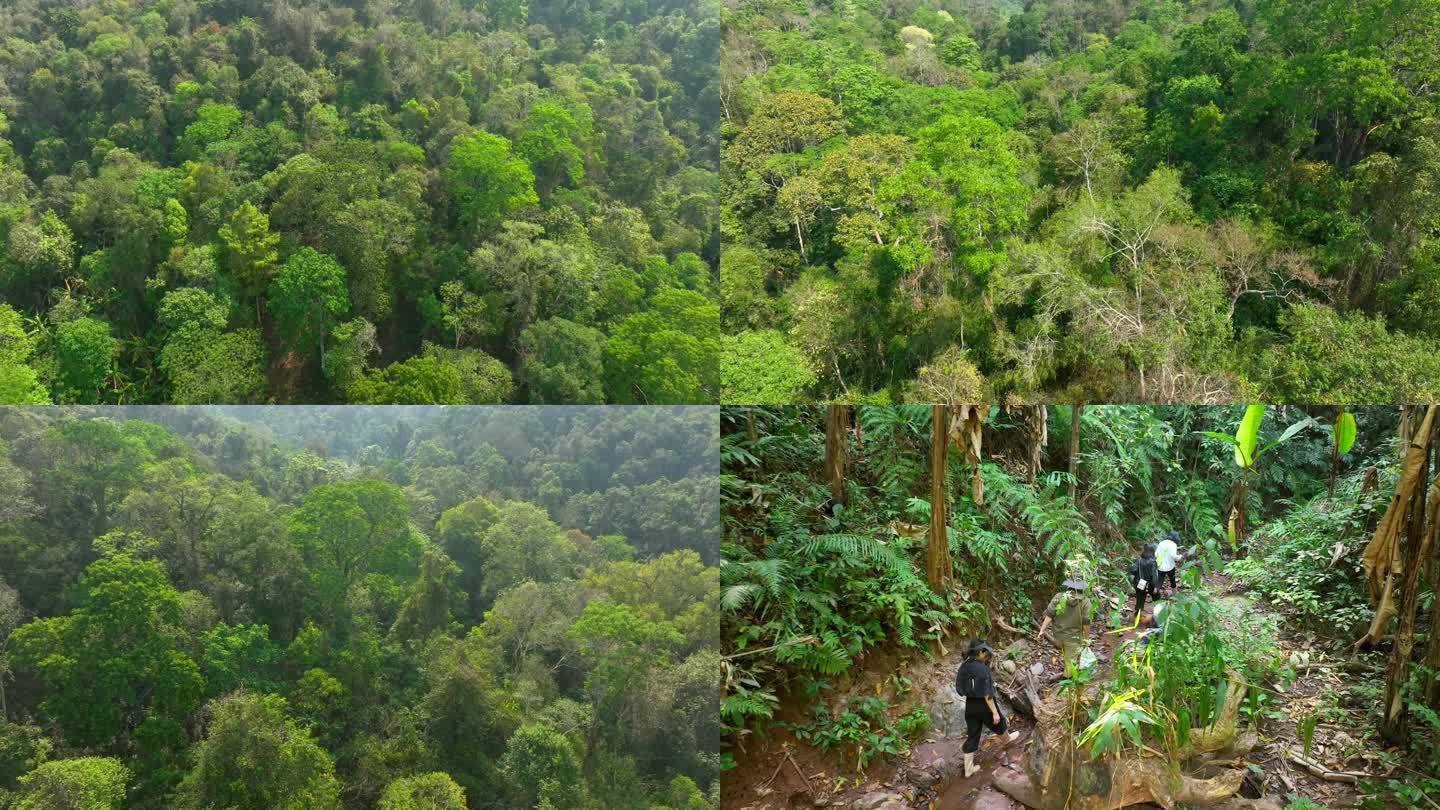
(487, 180)
(1075, 413)
(350, 529)
(837, 434)
(937, 557)
(116, 658)
(79, 783)
(84, 349)
(308, 297)
(427, 791)
(245, 729)
(250, 250)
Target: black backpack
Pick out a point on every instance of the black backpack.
(1146, 569)
(969, 679)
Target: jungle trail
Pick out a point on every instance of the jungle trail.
(865, 547)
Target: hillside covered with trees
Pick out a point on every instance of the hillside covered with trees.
(194, 614)
(412, 201)
(1172, 200)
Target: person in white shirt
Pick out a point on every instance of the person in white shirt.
(1167, 555)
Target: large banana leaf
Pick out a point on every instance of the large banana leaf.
(1344, 434)
(1246, 434)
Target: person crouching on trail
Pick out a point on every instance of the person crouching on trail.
(1167, 555)
(1153, 626)
(1070, 611)
(975, 683)
(1145, 576)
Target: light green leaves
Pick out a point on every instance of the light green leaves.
(307, 298)
(1245, 436)
(1343, 435)
(1306, 729)
(1121, 721)
(487, 180)
(78, 783)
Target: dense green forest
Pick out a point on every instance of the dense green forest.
(1307, 609)
(369, 201)
(1160, 200)
(450, 610)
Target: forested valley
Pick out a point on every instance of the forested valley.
(393, 608)
(1160, 200)
(365, 201)
(1292, 662)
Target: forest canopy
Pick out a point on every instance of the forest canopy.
(393, 608)
(418, 202)
(961, 200)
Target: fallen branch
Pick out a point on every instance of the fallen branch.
(791, 643)
(778, 766)
(805, 778)
(1004, 625)
(1318, 770)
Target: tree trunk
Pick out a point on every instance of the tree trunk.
(1394, 721)
(1235, 512)
(937, 561)
(1432, 650)
(1075, 412)
(837, 425)
(1408, 415)
(1334, 466)
(1035, 438)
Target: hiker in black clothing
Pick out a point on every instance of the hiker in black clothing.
(1145, 576)
(975, 683)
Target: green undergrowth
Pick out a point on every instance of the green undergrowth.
(867, 726)
(1159, 692)
(1307, 561)
(811, 587)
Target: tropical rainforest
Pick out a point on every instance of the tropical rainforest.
(1297, 663)
(1159, 200)
(358, 201)
(394, 608)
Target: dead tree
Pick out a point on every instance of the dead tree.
(1419, 520)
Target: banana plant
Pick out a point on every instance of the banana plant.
(1342, 438)
(1246, 436)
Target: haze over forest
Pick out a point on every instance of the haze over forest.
(372, 607)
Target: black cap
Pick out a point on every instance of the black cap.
(978, 645)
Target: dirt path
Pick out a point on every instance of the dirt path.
(781, 772)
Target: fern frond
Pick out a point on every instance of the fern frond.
(737, 596)
(856, 547)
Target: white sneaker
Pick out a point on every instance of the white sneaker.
(1012, 737)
